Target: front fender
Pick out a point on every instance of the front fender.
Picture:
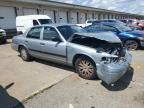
(72, 52)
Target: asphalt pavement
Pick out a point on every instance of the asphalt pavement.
(75, 92)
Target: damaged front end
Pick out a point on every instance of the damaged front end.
(114, 63)
(111, 59)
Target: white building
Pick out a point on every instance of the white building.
(59, 12)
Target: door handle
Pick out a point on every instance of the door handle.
(42, 43)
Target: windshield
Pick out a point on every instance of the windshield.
(123, 28)
(45, 21)
(68, 30)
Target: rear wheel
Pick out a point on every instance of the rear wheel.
(24, 54)
(131, 44)
(86, 68)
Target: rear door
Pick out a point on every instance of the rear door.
(33, 41)
(52, 47)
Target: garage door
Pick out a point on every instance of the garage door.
(62, 17)
(28, 11)
(89, 16)
(49, 13)
(73, 18)
(7, 18)
(106, 16)
(95, 16)
(82, 18)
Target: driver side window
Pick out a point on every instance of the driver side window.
(51, 34)
(35, 22)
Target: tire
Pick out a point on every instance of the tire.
(5, 41)
(131, 44)
(86, 68)
(24, 54)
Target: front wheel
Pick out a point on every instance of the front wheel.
(86, 68)
(131, 44)
(24, 54)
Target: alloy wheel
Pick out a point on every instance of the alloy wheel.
(24, 54)
(85, 68)
(131, 44)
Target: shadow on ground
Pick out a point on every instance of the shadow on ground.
(140, 49)
(5, 43)
(53, 64)
(7, 101)
(123, 83)
(60, 66)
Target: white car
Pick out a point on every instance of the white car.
(28, 21)
(3, 38)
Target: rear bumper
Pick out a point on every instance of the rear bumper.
(112, 72)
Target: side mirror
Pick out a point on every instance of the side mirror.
(56, 39)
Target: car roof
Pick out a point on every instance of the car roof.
(57, 24)
(33, 17)
(107, 23)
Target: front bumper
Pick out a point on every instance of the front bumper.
(112, 72)
(14, 46)
(3, 39)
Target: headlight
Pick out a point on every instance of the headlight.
(110, 59)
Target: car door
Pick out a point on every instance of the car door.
(52, 47)
(33, 40)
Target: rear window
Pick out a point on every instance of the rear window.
(45, 21)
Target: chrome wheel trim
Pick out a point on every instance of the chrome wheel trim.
(131, 45)
(24, 54)
(85, 68)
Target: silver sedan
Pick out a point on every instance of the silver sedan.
(92, 54)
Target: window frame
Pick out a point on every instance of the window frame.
(30, 31)
(59, 35)
(35, 21)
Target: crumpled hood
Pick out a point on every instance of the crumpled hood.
(106, 36)
(136, 33)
